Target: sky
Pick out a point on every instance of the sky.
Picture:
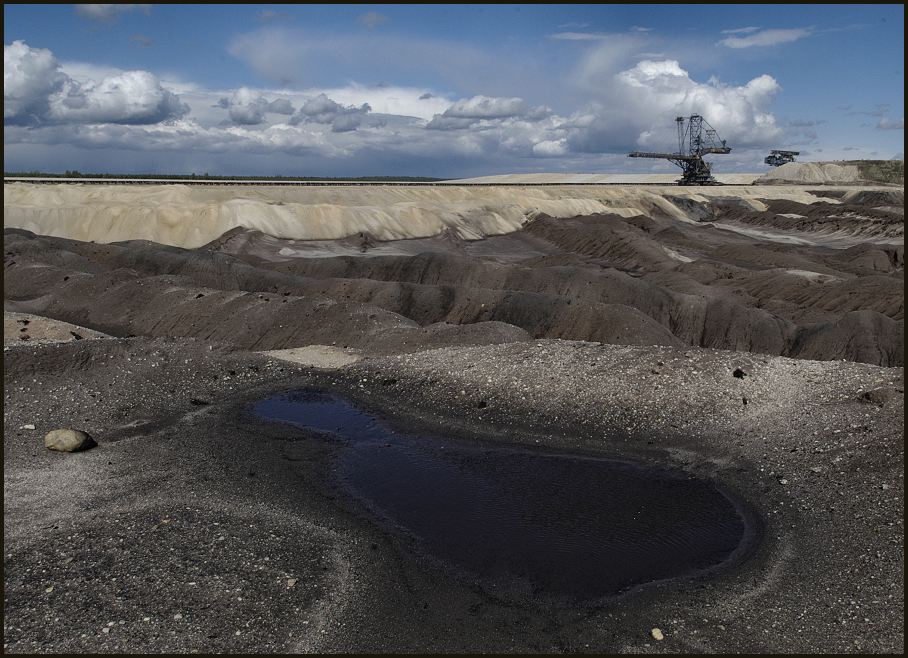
(445, 91)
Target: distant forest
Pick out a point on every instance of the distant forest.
(366, 179)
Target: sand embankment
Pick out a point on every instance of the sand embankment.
(811, 173)
(603, 179)
(186, 216)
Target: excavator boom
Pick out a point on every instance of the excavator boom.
(695, 140)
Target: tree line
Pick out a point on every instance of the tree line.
(77, 174)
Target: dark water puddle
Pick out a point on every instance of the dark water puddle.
(556, 523)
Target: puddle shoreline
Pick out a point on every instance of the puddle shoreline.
(537, 521)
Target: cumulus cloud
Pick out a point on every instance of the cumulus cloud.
(30, 77)
(551, 148)
(469, 111)
(638, 103)
(323, 110)
(132, 97)
(764, 38)
(247, 107)
(484, 107)
(36, 91)
(630, 104)
(389, 99)
(281, 106)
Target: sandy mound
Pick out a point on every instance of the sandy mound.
(811, 173)
(603, 179)
(192, 216)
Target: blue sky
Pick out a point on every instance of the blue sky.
(443, 90)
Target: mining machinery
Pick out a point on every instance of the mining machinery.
(695, 140)
(777, 158)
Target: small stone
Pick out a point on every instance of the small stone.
(657, 634)
(68, 440)
(49, 589)
(291, 583)
(884, 487)
(105, 630)
(783, 481)
(29, 426)
(178, 617)
(816, 469)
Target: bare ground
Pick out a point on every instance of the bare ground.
(193, 526)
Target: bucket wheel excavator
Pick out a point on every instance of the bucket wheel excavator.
(696, 138)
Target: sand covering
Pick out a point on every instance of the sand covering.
(811, 173)
(188, 216)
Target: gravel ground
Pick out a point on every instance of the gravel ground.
(193, 527)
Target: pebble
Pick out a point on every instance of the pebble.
(29, 426)
(657, 634)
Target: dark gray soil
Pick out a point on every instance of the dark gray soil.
(191, 506)
(196, 526)
(637, 281)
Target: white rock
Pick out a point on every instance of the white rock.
(68, 440)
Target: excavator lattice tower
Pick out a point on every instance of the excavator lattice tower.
(695, 139)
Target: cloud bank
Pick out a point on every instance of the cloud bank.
(626, 103)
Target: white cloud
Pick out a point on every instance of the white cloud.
(109, 12)
(468, 112)
(323, 110)
(766, 38)
(741, 30)
(637, 105)
(299, 59)
(30, 76)
(37, 91)
(629, 105)
(578, 36)
(389, 99)
(372, 19)
(551, 148)
(248, 107)
(132, 97)
(484, 107)
(890, 124)
(281, 106)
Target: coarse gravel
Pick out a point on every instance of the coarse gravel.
(192, 526)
